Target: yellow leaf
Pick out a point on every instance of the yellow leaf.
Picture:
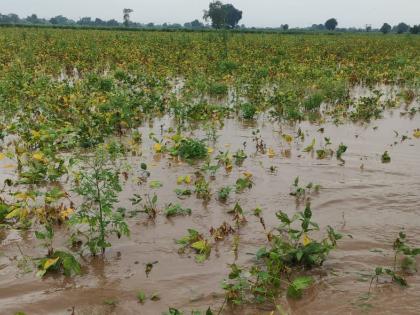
(157, 147)
(416, 133)
(179, 180)
(271, 152)
(14, 213)
(247, 174)
(50, 262)
(306, 240)
(187, 179)
(287, 138)
(2, 156)
(66, 213)
(210, 150)
(23, 196)
(36, 134)
(39, 156)
(228, 167)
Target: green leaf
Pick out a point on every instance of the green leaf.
(155, 184)
(141, 296)
(298, 285)
(39, 235)
(283, 217)
(201, 246)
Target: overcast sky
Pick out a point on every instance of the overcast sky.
(255, 12)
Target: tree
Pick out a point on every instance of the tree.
(402, 28)
(415, 29)
(33, 19)
(331, 24)
(112, 23)
(197, 24)
(126, 16)
(386, 28)
(285, 27)
(222, 15)
(86, 21)
(61, 20)
(233, 16)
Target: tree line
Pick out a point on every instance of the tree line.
(220, 16)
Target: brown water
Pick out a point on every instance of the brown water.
(364, 198)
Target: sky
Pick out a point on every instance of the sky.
(259, 13)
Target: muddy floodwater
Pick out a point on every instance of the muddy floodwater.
(367, 201)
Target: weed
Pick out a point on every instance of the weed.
(248, 110)
(99, 186)
(223, 193)
(385, 158)
(175, 209)
(191, 149)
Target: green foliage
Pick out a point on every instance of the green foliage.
(175, 209)
(243, 183)
(385, 28)
(289, 249)
(248, 110)
(191, 149)
(295, 289)
(223, 193)
(202, 188)
(331, 24)
(196, 242)
(313, 102)
(406, 254)
(222, 15)
(385, 158)
(217, 89)
(239, 156)
(98, 184)
(342, 148)
(301, 192)
(141, 297)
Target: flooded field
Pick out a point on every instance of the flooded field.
(367, 201)
(179, 173)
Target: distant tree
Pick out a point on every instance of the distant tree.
(151, 24)
(33, 19)
(112, 23)
(85, 21)
(386, 28)
(402, 28)
(318, 27)
(368, 27)
(415, 29)
(222, 15)
(99, 22)
(285, 27)
(61, 20)
(194, 24)
(9, 18)
(197, 24)
(126, 16)
(331, 24)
